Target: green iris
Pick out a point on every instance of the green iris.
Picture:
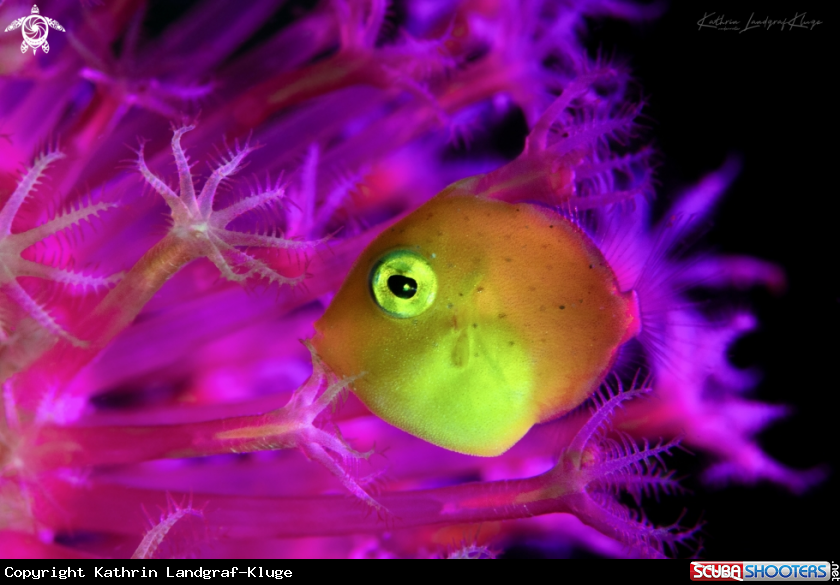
(403, 284)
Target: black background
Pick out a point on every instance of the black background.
(762, 94)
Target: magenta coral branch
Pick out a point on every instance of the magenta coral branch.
(284, 428)
(559, 490)
(332, 515)
(292, 426)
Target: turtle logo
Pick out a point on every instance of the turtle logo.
(34, 28)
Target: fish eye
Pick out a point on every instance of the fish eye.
(403, 284)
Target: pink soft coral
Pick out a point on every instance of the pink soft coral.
(116, 398)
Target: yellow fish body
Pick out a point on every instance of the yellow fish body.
(473, 319)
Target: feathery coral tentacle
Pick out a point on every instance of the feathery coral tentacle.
(37, 312)
(154, 537)
(13, 265)
(204, 231)
(231, 164)
(188, 196)
(599, 467)
(61, 222)
(25, 188)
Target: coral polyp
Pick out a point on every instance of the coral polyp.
(246, 259)
(14, 266)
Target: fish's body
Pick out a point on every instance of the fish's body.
(518, 321)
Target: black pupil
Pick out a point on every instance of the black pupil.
(402, 286)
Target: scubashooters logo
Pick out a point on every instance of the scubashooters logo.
(760, 571)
